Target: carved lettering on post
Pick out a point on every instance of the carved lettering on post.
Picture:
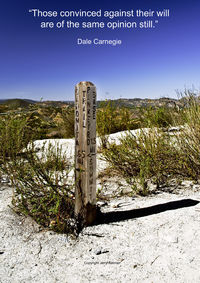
(85, 151)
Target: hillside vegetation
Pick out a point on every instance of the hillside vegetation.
(56, 118)
(154, 156)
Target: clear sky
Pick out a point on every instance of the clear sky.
(38, 63)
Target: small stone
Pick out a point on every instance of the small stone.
(98, 252)
(101, 251)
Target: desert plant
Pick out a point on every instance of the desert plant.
(112, 119)
(36, 125)
(156, 155)
(14, 135)
(40, 180)
(148, 156)
(42, 188)
(157, 117)
(67, 125)
(189, 139)
(17, 130)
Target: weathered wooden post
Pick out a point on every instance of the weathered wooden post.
(85, 151)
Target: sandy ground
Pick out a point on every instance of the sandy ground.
(151, 239)
(140, 239)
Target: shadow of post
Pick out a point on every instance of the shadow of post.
(117, 216)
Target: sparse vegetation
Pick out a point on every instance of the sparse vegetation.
(148, 156)
(14, 136)
(156, 156)
(40, 180)
(112, 119)
(189, 139)
(67, 124)
(42, 186)
(157, 117)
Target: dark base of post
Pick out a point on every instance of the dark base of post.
(87, 215)
(90, 214)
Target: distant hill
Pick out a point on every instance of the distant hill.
(4, 101)
(139, 102)
(17, 103)
(54, 103)
(122, 102)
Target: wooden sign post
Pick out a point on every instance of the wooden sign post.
(85, 151)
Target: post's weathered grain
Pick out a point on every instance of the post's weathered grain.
(85, 151)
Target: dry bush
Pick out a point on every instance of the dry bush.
(147, 156)
(189, 139)
(42, 188)
(157, 156)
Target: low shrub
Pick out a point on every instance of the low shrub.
(157, 117)
(189, 139)
(154, 154)
(67, 125)
(14, 135)
(42, 188)
(143, 157)
(16, 131)
(112, 119)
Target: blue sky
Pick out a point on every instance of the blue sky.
(38, 63)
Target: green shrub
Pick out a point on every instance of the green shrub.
(16, 131)
(112, 119)
(189, 139)
(42, 188)
(14, 135)
(149, 156)
(36, 126)
(67, 127)
(157, 117)
(156, 155)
